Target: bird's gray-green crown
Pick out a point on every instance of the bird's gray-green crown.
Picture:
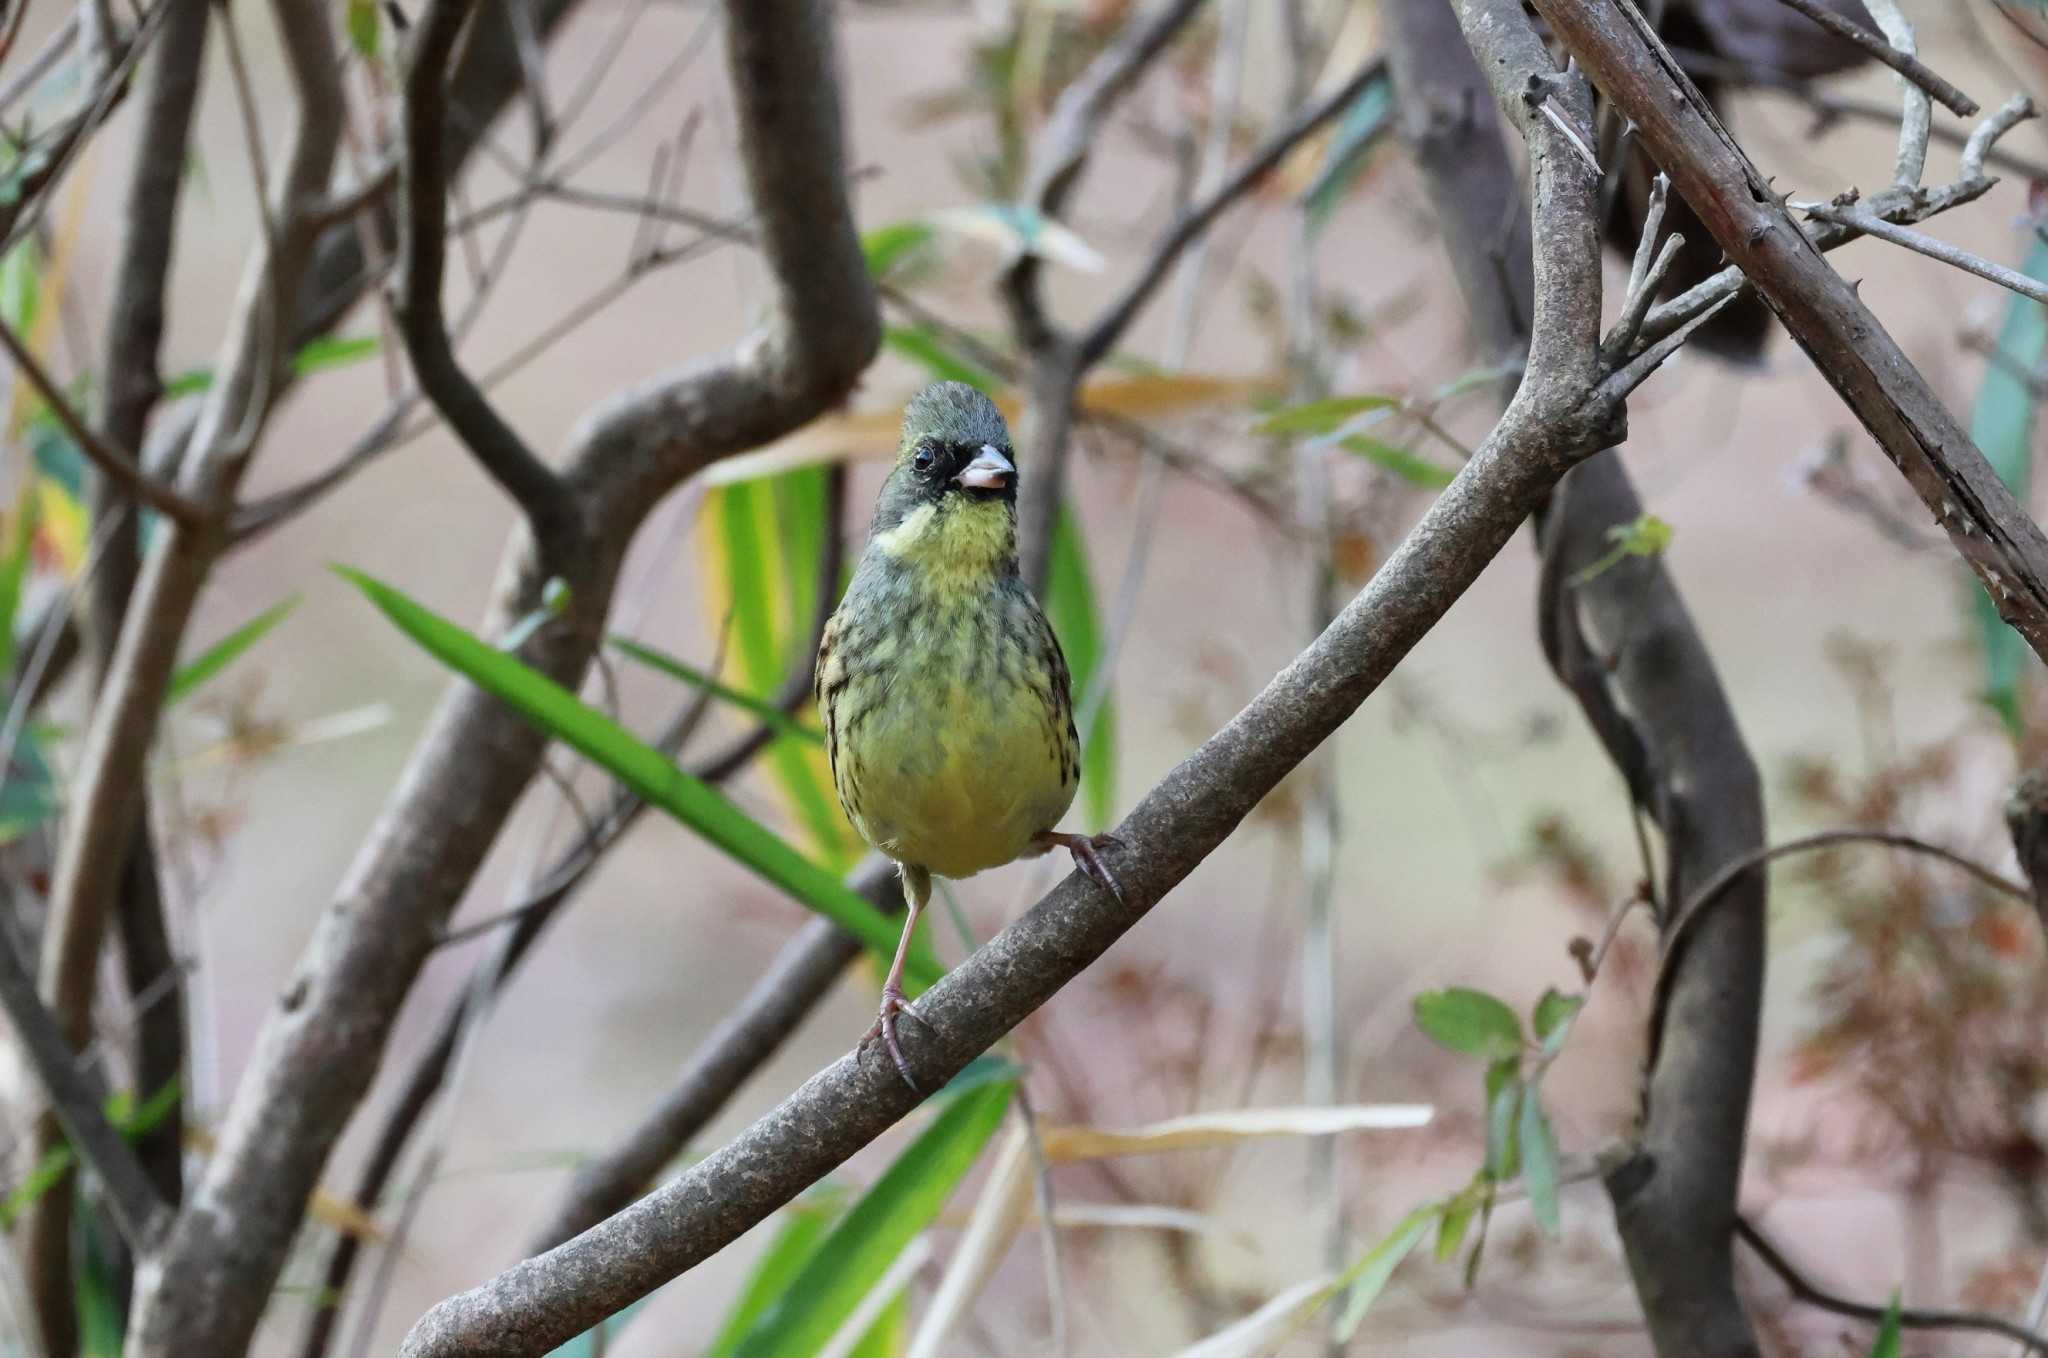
(953, 413)
(956, 451)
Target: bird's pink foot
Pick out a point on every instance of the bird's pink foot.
(893, 1003)
(1087, 855)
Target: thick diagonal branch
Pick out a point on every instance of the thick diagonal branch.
(1560, 415)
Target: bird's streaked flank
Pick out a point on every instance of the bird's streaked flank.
(948, 709)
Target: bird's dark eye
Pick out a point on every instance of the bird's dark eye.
(922, 459)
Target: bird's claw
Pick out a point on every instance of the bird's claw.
(893, 1003)
(1088, 857)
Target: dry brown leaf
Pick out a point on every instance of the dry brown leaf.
(1202, 1131)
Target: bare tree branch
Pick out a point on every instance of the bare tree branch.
(140, 1213)
(1859, 358)
(129, 373)
(1904, 62)
(116, 464)
(1687, 914)
(1921, 243)
(1054, 367)
(104, 814)
(130, 379)
(1556, 420)
(1622, 642)
(320, 1047)
(1103, 334)
(423, 252)
(1062, 149)
(1058, 360)
(488, 74)
(1912, 1318)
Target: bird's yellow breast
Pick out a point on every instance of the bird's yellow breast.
(947, 702)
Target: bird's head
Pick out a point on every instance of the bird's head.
(953, 491)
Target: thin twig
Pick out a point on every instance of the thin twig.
(1912, 1318)
(1905, 63)
(53, 50)
(1922, 243)
(1590, 955)
(423, 249)
(252, 126)
(117, 465)
(1103, 335)
(1062, 149)
(1680, 926)
(1916, 119)
(1985, 135)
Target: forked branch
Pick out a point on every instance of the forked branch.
(422, 262)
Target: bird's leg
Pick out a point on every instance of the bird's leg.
(917, 889)
(1087, 856)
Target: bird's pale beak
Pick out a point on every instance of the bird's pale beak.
(990, 470)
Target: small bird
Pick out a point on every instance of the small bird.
(948, 709)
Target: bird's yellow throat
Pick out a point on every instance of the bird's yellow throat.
(956, 548)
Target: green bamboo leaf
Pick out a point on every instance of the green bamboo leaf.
(21, 286)
(598, 1340)
(56, 1162)
(333, 351)
(771, 536)
(190, 382)
(1363, 125)
(1415, 470)
(1889, 1339)
(14, 573)
(2002, 424)
(795, 1242)
(226, 651)
(1471, 1022)
(1070, 608)
(317, 356)
(890, 1334)
(1539, 1163)
(1324, 416)
(767, 713)
(640, 767)
(101, 1318)
(1369, 1276)
(57, 456)
(862, 1244)
(30, 795)
(886, 246)
(363, 31)
(924, 348)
